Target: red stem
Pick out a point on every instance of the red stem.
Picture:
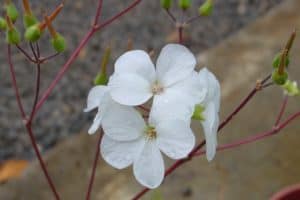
(14, 82)
(257, 137)
(120, 14)
(41, 161)
(28, 125)
(180, 34)
(76, 52)
(97, 155)
(282, 109)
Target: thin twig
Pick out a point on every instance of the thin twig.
(76, 52)
(37, 91)
(41, 161)
(180, 34)
(282, 109)
(97, 155)
(44, 59)
(25, 54)
(170, 14)
(255, 138)
(14, 82)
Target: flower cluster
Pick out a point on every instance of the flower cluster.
(179, 94)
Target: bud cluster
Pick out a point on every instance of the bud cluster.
(34, 28)
(204, 10)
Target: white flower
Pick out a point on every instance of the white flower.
(99, 97)
(128, 140)
(173, 84)
(211, 104)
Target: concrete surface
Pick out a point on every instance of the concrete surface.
(253, 171)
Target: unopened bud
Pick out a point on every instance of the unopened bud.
(166, 4)
(3, 24)
(12, 34)
(101, 79)
(33, 33)
(58, 43)
(277, 60)
(29, 20)
(291, 88)
(198, 113)
(206, 8)
(279, 78)
(11, 11)
(184, 4)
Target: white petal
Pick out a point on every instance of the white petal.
(213, 87)
(136, 62)
(190, 89)
(170, 108)
(96, 123)
(175, 138)
(120, 154)
(123, 123)
(94, 97)
(129, 89)
(178, 101)
(174, 63)
(149, 168)
(210, 126)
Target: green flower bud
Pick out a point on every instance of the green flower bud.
(101, 79)
(33, 33)
(29, 20)
(13, 36)
(12, 11)
(58, 43)
(166, 4)
(206, 8)
(291, 88)
(276, 61)
(198, 113)
(3, 24)
(279, 79)
(184, 4)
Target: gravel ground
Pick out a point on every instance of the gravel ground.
(147, 25)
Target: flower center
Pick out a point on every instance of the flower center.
(151, 133)
(157, 88)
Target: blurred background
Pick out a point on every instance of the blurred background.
(238, 57)
(149, 28)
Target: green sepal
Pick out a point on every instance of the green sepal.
(101, 79)
(58, 43)
(279, 79)
(198, 113)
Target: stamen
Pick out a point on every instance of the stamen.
(157, 88)
(151, 133)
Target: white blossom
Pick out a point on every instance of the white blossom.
(128, 140)
(173, 83)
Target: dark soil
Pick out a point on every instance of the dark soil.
(147, 25)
